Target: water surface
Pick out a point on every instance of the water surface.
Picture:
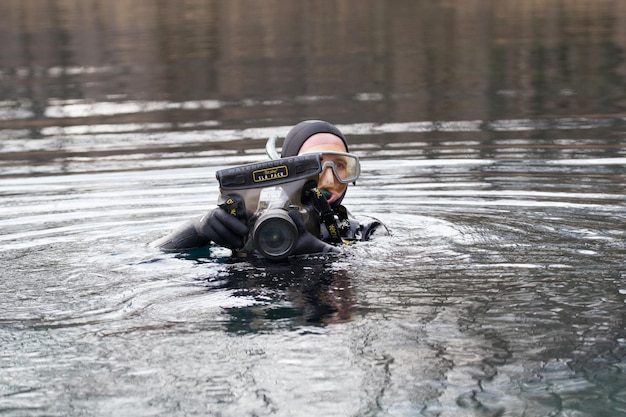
(492, 143)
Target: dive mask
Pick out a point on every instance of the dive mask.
(345, 166)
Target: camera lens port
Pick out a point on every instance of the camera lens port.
(275, 234)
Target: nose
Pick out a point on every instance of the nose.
(327, 178)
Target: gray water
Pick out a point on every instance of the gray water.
(492, 138)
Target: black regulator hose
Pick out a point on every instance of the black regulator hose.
(317, 198)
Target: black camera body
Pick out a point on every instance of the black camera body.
(262, 194)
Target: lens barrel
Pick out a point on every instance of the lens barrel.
(275, 234)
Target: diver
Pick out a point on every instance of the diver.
(339, 168)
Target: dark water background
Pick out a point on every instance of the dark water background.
(492, 135)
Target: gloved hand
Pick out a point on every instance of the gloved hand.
(222, 228)
(307, 243)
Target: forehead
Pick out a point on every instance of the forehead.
(323, 142)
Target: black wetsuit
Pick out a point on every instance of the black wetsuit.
(190, 236)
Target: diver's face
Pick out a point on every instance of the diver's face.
(321, 142)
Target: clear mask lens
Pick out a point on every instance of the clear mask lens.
(345, 166)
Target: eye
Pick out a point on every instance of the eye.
(338, 162)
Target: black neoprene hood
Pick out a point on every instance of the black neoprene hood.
(304, 130)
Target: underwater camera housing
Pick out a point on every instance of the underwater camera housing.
(262, 194)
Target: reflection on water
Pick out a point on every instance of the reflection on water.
(232, 63)
(492, 141)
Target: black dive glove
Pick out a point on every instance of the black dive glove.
(222, 228)
(307, 243)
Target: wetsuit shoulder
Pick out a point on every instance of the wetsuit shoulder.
(362, 228)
